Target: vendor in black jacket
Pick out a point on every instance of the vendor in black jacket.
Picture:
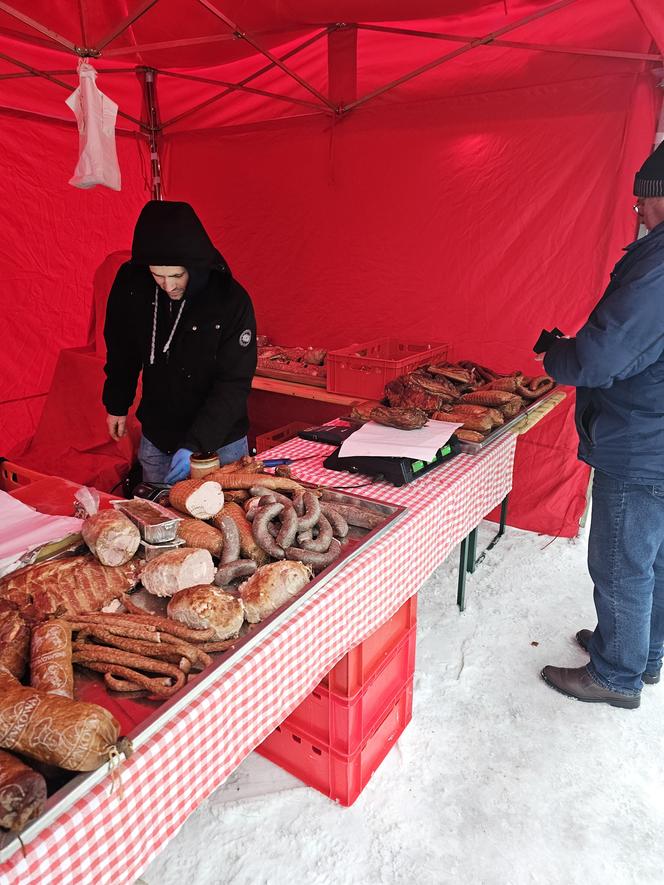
(176, 314)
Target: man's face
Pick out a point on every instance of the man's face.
(173, 280)
(650, 211)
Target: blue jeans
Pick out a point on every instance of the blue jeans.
(626, 563)
(156, 463)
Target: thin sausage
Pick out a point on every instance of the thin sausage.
(153, 684)
(365, 519)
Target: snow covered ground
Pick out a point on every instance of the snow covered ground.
(498, 779)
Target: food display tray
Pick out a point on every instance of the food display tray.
(294, 378)
(471, 448)
(153, 533)
(141, 718)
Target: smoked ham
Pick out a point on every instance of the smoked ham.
(201, 498)
(22, 793)
(178, 569)
(111, 537)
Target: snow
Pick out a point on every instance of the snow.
(498, 779)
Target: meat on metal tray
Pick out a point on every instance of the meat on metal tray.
(140, 717)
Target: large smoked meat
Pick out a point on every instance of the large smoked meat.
(67, 586)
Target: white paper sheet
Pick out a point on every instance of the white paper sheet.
(23, 529)
(376, 440)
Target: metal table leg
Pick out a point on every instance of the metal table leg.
(468, 559)
(472, 550)
(463, 566)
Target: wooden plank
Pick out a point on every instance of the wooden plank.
(303, 391)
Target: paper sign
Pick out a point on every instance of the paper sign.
(376, 440)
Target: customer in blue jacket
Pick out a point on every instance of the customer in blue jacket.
(616, 362)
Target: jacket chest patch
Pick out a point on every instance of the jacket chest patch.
(245, 338)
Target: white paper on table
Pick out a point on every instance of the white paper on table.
(376, 440)
(23, 528)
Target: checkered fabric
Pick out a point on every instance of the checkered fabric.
(111, 837)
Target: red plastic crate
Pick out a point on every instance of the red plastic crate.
(357, 667)
(363, 370)
(343, 725)
(339, 776)
(265, 441)
(13, 476)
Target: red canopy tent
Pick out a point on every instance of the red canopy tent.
(366, 167)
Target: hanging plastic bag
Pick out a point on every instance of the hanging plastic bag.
(96, 114)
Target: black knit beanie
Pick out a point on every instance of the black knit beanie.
(649, 180)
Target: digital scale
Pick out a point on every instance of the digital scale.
(397, 471)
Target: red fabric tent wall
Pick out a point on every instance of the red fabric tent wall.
(467, 220)
(54, 238)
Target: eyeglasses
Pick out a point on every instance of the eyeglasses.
(636, 207)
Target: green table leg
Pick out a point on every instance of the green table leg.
(463, 565)
(472, 551)
(503, 523)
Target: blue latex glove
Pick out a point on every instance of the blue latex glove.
(180, 466)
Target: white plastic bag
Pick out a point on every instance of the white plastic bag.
(96, 115)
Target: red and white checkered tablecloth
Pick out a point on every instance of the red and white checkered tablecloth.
(111, 837)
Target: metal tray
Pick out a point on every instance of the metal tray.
(473, 448)
(149, 551)
(148, 716)
(153, 533)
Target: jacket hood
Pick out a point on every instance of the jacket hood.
(170, 233)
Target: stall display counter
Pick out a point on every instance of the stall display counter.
(110, 834)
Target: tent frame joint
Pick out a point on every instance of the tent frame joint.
(87, 52)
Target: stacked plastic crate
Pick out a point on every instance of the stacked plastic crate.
(337, 738)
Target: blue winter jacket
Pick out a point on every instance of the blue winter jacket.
(616, 362)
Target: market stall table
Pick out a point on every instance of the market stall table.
(111, 834)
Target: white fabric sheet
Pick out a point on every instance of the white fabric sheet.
(23, 529)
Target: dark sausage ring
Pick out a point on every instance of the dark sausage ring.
(317, 561)
(321, 544)
(311, 512)
(231, 549)
(240, 568)
(264, 515)
(289, 524)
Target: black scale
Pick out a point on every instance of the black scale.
(397, 471)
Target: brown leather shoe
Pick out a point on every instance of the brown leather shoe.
(577, 683)
(583, 638)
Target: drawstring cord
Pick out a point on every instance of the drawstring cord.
(154, 325)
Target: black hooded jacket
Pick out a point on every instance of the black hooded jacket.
(195, 394)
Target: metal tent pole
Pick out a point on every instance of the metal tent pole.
(153, 128)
